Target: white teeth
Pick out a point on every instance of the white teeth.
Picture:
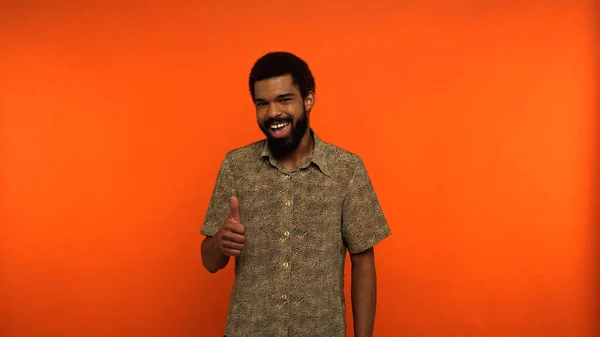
(277, 126)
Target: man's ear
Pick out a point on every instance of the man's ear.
(309, 101)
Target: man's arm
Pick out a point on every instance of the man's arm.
(364, 292)
(363, 227)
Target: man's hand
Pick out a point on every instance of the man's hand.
(228, 241)
(230, 238)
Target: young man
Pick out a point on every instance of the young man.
(287, 208)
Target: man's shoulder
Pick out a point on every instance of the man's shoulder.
(340, 154)
(245, 157)
(340, 160)
(246, 152)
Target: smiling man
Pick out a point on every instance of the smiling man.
(288, 208)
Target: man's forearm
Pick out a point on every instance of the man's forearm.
(364, 296)
(213, 258)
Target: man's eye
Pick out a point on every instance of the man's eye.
(261, 103)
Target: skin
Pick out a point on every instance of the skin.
(279, 97)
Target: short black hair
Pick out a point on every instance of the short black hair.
(280, 63)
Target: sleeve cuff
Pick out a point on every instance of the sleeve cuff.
(372, 242)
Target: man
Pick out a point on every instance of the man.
(287, 208)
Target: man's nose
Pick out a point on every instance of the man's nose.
(273, 110)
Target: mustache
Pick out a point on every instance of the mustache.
(271, 121)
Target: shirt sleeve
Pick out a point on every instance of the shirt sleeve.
(363, 222)
(219, 204)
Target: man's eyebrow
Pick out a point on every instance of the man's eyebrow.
(286, 95)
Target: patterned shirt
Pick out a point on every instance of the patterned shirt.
(289, 278)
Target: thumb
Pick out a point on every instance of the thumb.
(235, 208)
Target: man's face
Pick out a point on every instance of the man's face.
(282, 114)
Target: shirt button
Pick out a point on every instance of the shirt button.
(284, 297)
(286, 233)
(286, 176)
(287, 203)
(285, 264)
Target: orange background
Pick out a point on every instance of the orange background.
(476, 122)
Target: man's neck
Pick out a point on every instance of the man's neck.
(290, 160)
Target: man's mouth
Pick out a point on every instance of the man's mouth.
(280, 129)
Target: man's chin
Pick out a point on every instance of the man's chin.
(280, 143)
(280, 146)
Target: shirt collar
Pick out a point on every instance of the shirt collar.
(318, 156)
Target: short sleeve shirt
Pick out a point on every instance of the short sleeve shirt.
(289, 278)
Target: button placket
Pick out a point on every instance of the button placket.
(288, 204)
(286, 228)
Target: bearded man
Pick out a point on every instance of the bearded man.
(289, 208)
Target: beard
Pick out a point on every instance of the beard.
(285, 145)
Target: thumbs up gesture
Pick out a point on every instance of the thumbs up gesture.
(231, 235)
